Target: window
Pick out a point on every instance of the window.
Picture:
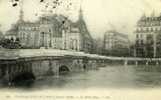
(23, 35)
(141, 35)
(137, 35)
(142, 42)
(137, 42)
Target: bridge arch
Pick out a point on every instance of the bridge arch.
(64, 69)
(22, 78)
(84, 66)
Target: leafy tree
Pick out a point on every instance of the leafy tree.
(10, 43)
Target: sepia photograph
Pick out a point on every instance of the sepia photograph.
(80, 49)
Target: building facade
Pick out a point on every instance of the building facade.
(55, 31)
(98, 46)
(116, 44)
(148, 37)
(76, 36)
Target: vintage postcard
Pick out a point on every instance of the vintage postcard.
(80, 49)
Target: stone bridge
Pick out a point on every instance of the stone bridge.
(32, 64)
(16, 65)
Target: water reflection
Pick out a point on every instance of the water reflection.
(106, 77)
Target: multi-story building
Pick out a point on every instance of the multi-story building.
(116, 44)
(43, 33)
(76, 36)
(98, 46)
(55, 31)
(148, 33)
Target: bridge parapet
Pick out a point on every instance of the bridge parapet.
(53, 62)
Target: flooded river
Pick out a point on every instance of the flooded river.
(104, 77)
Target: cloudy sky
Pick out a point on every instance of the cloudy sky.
(100, 15)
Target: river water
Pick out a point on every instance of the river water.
(105, 77)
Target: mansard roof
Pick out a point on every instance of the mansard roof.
(150, 18)
(117, 33)
(149, 21)
(61, 22)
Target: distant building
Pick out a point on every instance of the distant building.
(76, 36)
(116, 44)
(43, 33)
(72, 39)
(148, 36)
(55, 31)
(98, 46)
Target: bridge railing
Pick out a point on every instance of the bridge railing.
(9, 54)
(20, 53)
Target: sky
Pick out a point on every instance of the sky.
(100, 15)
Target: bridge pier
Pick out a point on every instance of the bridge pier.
(77, 66)
(7, 76)
(136, 63)
(14, 72)
(147, 63)
(81, 64)
(56, 66)
(125, 62)
(89, 64)
(50, 70)
(6, 73)
(99, 63)
(157, 63)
